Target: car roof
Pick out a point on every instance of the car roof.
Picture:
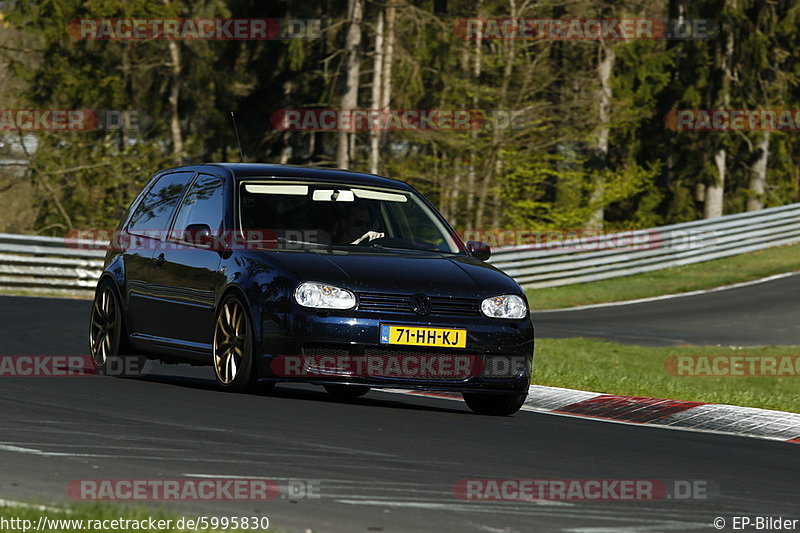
(265, 170)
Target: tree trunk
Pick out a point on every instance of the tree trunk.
(758, 175)
(377, 72)
(287, 150)
(604, 69)
(714, 197)
(174, 97)
(473, 152)
(386, 75)
(699, 192)
(126, 77)
(176, 72)
(355, 14)
(715, 192)
(455, 189)
(496, 166)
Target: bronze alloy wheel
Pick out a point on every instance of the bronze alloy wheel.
(232, 345)
(105, 326)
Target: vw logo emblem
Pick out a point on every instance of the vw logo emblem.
(421, 304)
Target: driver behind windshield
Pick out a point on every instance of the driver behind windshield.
(356, 225)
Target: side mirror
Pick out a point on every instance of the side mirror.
(199, 235)
(479, 250)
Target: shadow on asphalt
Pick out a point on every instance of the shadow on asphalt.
(309, 393)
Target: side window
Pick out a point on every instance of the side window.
(155, 210)
(203, 205)
(415, 226)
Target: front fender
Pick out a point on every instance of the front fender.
(266, 288)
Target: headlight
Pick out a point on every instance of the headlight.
(322, 296)
(505, 306)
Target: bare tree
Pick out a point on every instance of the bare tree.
(174, 97)
(714, 192)
(605, 67)
(388, 60)
(758, 175)
(377, 80)
(349, 101)
(477, 67)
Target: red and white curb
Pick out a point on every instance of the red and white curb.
(657, 412)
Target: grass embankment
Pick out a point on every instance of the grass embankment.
(613, 368)
(737, 269)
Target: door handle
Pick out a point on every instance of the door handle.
(158, 261)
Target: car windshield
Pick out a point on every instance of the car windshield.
(302, 214)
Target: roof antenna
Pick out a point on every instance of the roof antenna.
(241, 153)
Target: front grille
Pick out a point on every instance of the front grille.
(401, 303)
(326, 351)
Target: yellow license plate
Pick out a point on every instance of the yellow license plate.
(417, 336)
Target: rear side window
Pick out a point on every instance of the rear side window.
(155, 210)
(203, 204)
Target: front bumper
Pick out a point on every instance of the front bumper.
(503, 348)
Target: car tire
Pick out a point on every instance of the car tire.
(108, 337)
(494, 404)
(346, 392)
(232, 347)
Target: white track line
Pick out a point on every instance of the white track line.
(668, 296)
(33, 451)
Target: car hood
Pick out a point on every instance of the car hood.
(433, 274)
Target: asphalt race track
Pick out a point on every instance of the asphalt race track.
(387, 463)
(754, 315)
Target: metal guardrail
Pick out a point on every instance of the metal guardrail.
(597, 258)
(53, 265)
(35, 264)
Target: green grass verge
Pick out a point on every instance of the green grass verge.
(47, 293)
(745, 267)
(613, 368)
(101, 512)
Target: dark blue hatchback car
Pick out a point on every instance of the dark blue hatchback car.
(276, 273)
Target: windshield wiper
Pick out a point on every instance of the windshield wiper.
(378, 245)
(283, 240)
